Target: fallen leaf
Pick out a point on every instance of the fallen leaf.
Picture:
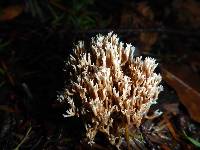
(187, 85)
(147, 40)
(11, 12)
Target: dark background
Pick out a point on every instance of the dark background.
(37, 36)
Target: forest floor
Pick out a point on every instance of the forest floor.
(37, 37)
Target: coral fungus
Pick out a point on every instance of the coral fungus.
(109, 88)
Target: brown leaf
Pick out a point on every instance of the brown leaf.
(187, 85)
(11, 12)
(147, 40)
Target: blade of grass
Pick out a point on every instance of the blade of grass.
(24, 139)
(193, 141)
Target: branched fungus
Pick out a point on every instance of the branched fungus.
(109, 88)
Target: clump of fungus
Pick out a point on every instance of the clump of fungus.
(109, 88)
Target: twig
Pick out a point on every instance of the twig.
(171, 128)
